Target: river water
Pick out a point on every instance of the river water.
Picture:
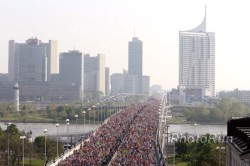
(37, 128)
(198, 129)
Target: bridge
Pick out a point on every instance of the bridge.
(68, 138)
(106, 144)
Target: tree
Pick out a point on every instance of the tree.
(39, 145)
(201, 152)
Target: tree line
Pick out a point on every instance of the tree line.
(13, 152)
(221, 112)
(200, 152)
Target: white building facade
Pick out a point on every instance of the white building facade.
(94, 73)
(197, 58)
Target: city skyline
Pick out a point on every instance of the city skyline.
(105, 27)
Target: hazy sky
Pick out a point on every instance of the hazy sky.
(106, 26)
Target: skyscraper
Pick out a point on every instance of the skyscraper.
(71, 69)
(197, 58)
(32, 61)
(135, 63)
(94, 74)
(117, 80)
(107, 80)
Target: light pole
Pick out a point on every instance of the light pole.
(30, 140)
(94, 113)
(101, 111)
(167, 140)
(84, 113)
(89, 117)
(115, 105)
(162, 144)
(45, 157)
(38, 104)
(174, 154)
(8, 141)
(23, 137)
(98, 111)
(76, 116)
(60, 100)
(57, 125)
(67, 122)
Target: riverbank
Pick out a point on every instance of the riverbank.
(177, 120)
(40, 119)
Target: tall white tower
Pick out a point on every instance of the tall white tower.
(197, 58)
(16, 97)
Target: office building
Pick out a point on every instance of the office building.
(132, 81)
(117, 86)
(32, 61)
(3, 77)
(107, 80)
(94, 74)
(135, 65)
(6, 91)
(197, 58)
(156, 89)
(72, 69)
(145, 85)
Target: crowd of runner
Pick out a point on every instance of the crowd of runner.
(128, 137)
(99, 148)
(138, 147)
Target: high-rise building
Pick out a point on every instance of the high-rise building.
(145, 85)
(197, 58)
(94, 74)
(135, 65)
(52, 57)
(32, 61)
(72, 69)
(117, 86)
(107, 80)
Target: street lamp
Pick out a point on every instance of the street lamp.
(76, 116)
(23, 137)
(57, 125)
(101, 111)
(8, 141)
(38, 104)
(45, 157)
(67, 122)
(114, 105)
(167, 126)
(174, 153)
(30, 140)
(89, 117)
(84, 113)
(60, 100)
(98, 111)
(162, 136)
(94, 113)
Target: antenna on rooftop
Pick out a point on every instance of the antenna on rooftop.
(205, 10)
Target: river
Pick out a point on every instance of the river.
(198, 129)
(37, 128)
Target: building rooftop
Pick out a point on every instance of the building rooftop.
(239, 129)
